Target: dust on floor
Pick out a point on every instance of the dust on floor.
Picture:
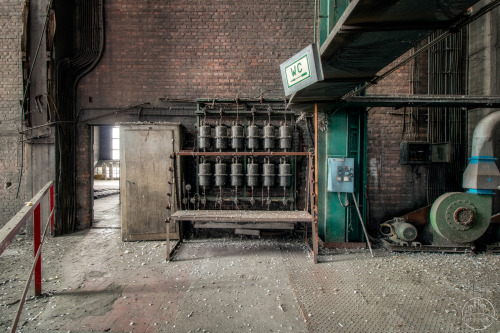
(95, 282)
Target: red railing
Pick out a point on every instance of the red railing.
(10, 230)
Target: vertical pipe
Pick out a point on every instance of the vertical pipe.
(315, 224)
(36, 245)
(316, 157)
(314, 20)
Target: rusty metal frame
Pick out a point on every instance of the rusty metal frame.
(237, 153)
(310, 206)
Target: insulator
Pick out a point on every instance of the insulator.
(252, 174)
(204, 138)
(204, 174)
(284, 174)
(220, 174)
(268, 173)
(269, 136)
(285, 137)
(236, 174)
(237, 137)
(253, 137)
(220, 137)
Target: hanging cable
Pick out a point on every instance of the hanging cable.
(347, 203)
(26, 91)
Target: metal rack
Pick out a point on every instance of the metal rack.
(255, 217)
(226, 127)
(244, 169)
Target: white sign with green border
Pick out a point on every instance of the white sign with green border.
(301, 70)
(298, 71)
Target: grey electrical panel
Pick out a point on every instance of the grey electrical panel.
(341, 175)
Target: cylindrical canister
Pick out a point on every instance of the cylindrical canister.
(284, 174)
(252, 173)
(237, 137)
(268, 173)
(253, 137)
(269, 136)
(204, 138)
(204, 174)
(236, 174)
(220, 137)
(285, 137)
(220, 174)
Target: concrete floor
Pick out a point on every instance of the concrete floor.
(94, 282)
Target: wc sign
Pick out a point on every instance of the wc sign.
(298, 71)
(301, 70)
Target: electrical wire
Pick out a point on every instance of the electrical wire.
(26, 92)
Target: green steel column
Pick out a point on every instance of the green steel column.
(329, 13)
(344, 138)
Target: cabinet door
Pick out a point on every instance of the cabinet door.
(144, 175)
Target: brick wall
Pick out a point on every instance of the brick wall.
(393, 189)
(10, 95)
(187, 50)
(195, 49)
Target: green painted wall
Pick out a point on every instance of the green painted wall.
(344, 137)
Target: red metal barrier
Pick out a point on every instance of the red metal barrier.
(51, 208)
(36, 246)
(10, 230)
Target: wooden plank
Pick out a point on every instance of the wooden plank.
(226, 225)
(250, 232)
(242, 216)
(160, 236)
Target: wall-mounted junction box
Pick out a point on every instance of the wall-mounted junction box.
(341, 175)
(414, 152)
(424, 152)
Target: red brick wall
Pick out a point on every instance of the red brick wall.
(195, 49)
(187, 50)
(393, 189)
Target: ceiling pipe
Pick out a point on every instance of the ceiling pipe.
(482, 175)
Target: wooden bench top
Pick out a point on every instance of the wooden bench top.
(242, 216)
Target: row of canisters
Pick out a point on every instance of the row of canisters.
(234, 136)
(252, 175)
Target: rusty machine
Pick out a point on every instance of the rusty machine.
(457, 219)
(243, 172)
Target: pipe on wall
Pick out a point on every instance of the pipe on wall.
(482, 175)
(482, 139)
(89, 24)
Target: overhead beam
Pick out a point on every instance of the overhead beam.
(395, 26)
(465, 101)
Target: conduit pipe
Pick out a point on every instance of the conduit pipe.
(482, 175)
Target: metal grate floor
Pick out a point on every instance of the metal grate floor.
(353, 292)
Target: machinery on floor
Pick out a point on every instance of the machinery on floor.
(456, 219)
(247, 170)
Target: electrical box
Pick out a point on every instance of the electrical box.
(414, 152)
(341, 175)
(441, 152)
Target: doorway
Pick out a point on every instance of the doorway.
(106, 180)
